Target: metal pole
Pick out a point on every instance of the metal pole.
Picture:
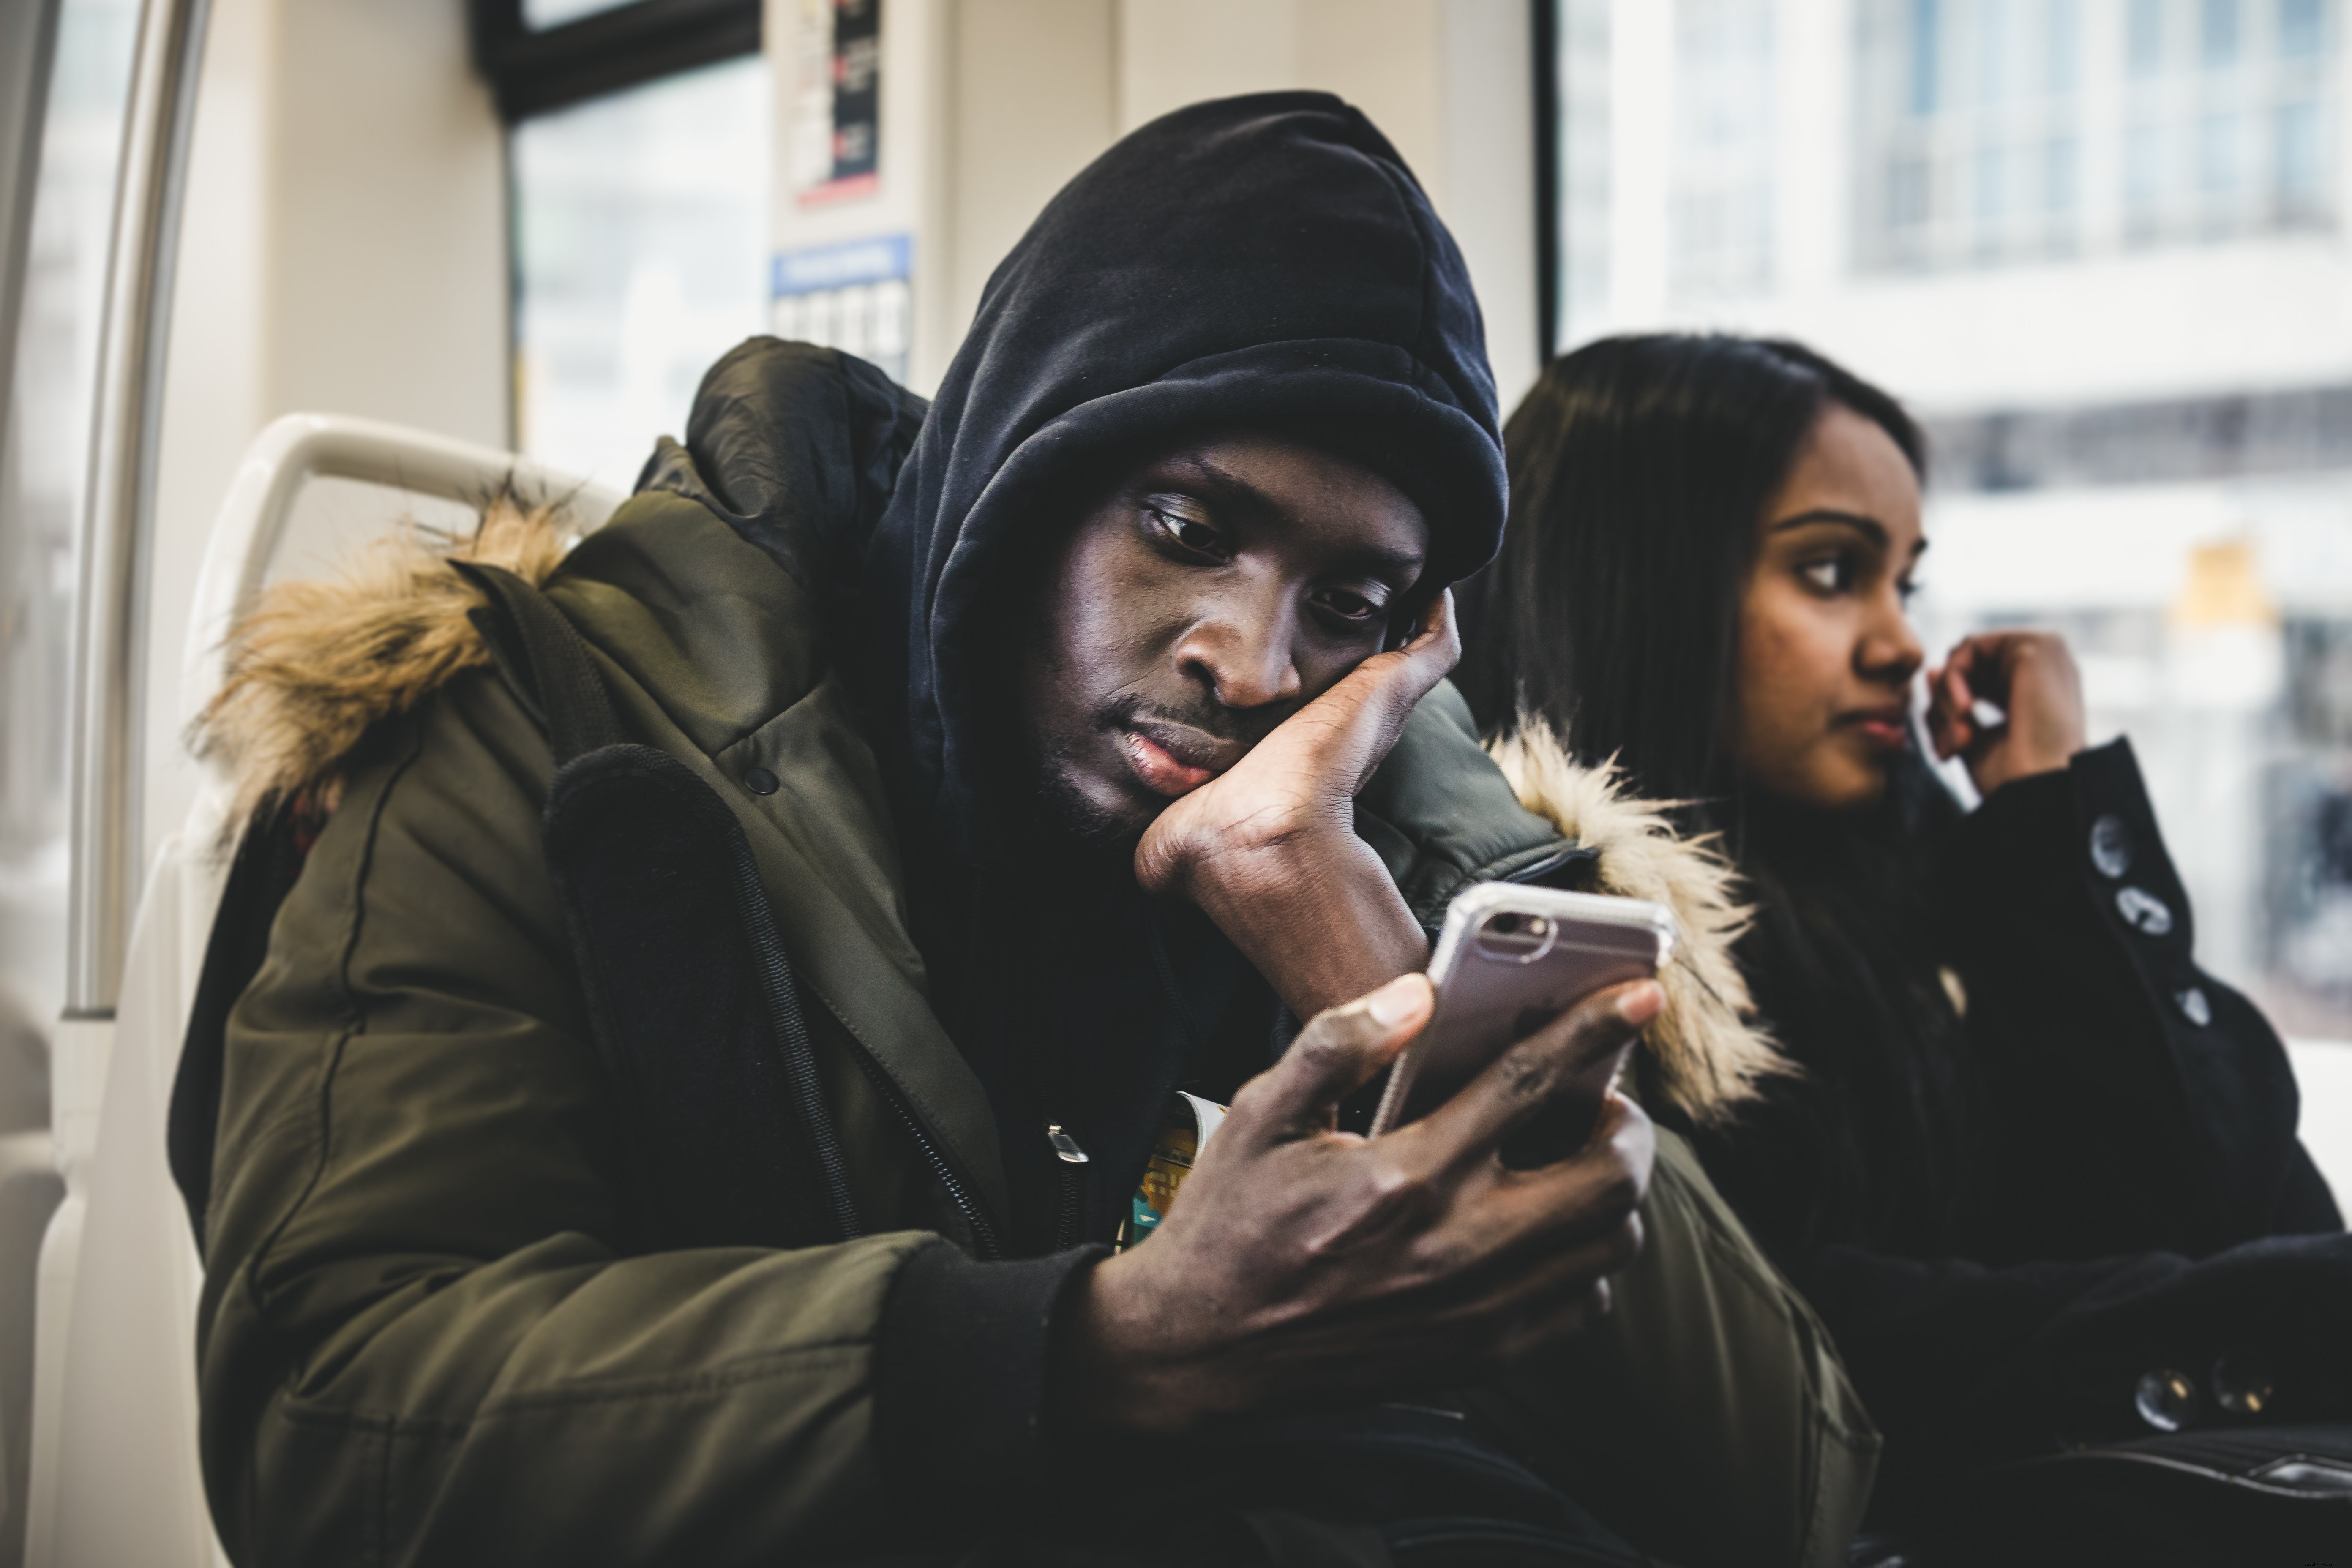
(118, 504)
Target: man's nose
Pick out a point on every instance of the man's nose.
(1244, 652)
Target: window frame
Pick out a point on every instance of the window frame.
(1543, 32)
(534, 72)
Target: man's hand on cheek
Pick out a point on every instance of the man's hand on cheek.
(1303, 1266)
(1269, 850)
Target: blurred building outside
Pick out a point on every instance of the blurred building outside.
(2099, 246)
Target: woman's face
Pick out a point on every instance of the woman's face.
(1822, 695)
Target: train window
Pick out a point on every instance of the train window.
(638, 150)
(640, 229)
(2096, 244)
(44, 464)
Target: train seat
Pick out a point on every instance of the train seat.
(113, 1464)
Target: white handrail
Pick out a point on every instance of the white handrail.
(251, 523)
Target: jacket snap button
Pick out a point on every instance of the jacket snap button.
(2166, 1399)
(2241, 1382)
(758, 781)
(2193, 1006)
(2111, 849)
(2145, 910)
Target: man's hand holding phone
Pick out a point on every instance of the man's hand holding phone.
(1305, 1267)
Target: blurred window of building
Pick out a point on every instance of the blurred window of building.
(1721, 237)
(1585, 147)
(2010, 131)
(2096, 246)
(639, 153)
(1971, 112)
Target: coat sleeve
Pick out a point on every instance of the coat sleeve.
(1708, 1413)
(1966, 1364)
(419, 1343)
(2143, 1104)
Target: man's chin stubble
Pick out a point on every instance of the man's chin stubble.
(1079, 816)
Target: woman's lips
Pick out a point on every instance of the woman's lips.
(1889, 729)
(1160, 772)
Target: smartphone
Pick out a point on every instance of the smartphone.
(1509, 960)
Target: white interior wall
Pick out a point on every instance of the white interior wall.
(344, 250)
(1033, 97)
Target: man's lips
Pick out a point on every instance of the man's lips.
(1888, 727)
(1174, 759)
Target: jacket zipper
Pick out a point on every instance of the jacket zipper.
(788, 1029)
(1070, 1187)
(983, 1234)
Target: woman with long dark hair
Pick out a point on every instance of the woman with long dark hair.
(2024, 1132)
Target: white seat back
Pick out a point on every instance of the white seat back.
(115, 1479)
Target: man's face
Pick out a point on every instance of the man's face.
(1218, 588)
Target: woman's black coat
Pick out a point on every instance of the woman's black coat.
(2145, 1204)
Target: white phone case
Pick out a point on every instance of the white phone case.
(1509, 959)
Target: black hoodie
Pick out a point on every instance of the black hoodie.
(1264, 262)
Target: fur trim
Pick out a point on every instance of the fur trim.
(318, 664)
(1710, 1052)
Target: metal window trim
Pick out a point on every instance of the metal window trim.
(538, 72)
(1545, 33)
(114, 541)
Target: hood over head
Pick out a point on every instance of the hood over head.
(1264, 262)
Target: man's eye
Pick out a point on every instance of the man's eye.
(1350, 606)
(1190, 533)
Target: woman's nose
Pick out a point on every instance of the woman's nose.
(1890, 650)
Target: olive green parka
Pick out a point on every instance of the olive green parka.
(428, 1336)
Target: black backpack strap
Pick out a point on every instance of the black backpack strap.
(543, 659)
(697, 1013)
(696, 1008)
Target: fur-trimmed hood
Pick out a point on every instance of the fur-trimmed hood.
(321, 663)
(1710, 1052)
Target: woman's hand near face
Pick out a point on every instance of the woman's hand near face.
(2032, 678)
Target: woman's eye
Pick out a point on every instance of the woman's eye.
(1832, 574)
(1908, 588)
(1190, 533)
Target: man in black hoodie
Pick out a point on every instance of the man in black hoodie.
(702, 1061)
(1222, 432)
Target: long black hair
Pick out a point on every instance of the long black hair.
(1639, 467)
(1640, 470)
